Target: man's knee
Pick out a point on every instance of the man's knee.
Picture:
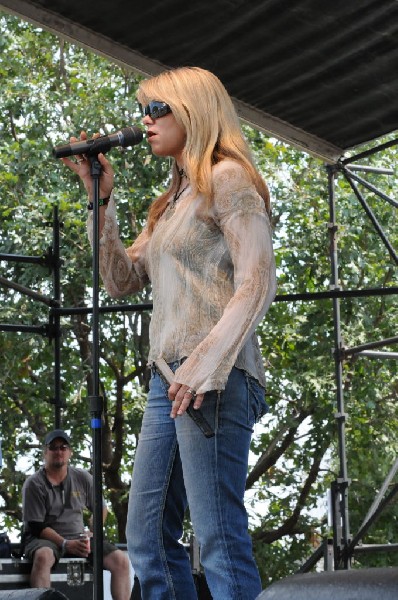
(117, 562)
(43, 558)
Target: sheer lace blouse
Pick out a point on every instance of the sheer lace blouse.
(212, 273)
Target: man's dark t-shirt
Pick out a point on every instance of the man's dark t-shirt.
(57, 506)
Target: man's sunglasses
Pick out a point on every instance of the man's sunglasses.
(157, 109)
(62, 447)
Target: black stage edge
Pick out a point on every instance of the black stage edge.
(354, 584)
(32, 594)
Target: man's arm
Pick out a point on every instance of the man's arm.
(104, 515)
(77, 547)
(34, 512)
(50, 534)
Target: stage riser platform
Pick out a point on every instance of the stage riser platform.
(15, 574)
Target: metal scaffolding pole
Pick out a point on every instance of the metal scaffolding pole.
(340, 486)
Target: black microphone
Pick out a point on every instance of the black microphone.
(128, 136)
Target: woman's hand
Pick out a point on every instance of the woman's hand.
(181, 396)
(81, 166)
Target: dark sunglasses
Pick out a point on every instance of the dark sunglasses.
(156, 109)
(62, 447)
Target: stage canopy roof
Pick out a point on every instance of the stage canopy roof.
(320, 74)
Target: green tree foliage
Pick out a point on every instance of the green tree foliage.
(51, 90)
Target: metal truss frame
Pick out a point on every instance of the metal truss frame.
(337, 552)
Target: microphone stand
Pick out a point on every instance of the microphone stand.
(96, 401)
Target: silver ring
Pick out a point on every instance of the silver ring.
(79, 160)
(191, 392)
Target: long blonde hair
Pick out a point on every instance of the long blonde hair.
(202, 106)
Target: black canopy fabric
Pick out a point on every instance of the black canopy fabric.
(321, 74)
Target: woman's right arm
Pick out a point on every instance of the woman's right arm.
(82, 167)
(122, 271)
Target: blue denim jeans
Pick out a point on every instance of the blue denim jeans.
(176, 466)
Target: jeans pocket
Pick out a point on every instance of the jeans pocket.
(158, 384)
(257, 406)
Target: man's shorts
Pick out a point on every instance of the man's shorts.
(35, 543)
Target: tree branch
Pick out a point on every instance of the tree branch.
(275, 451)
(289, 526)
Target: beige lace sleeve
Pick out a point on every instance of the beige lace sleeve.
(241, 216)
(122, 271)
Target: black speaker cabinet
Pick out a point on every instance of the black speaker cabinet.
(354, 584)
(32, 594)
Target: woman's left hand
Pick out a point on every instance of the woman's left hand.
(181, 396)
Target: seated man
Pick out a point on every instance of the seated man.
(53, 501)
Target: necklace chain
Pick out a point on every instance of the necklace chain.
(178, 194)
